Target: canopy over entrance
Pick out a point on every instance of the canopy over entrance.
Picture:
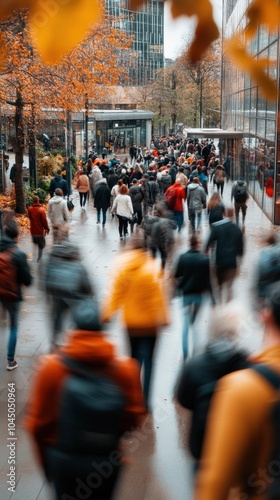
(214, 133)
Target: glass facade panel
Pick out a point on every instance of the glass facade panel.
(147, 27)
(256, 158)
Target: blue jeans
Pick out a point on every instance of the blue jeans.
(103, 210)
(142, 349)
(191, 304)
(13, 309)
(192, 215)
(179, 219)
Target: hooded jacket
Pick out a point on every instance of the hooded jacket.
(180, 196)
(20, 261)
(136, 196)
(57, 210)
(196, 196)
(92, 349)
(38, 220)
(65, 275)
(60, 183)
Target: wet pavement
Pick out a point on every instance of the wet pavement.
(160, 467)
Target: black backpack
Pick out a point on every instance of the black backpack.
(240, 194)
(91, 412)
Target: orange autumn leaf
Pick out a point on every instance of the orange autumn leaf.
(206, 29)
(58, 31)
(256, 68)
(262, 12)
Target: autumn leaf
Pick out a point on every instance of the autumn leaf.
(262, 12)
(256, 68)
(206, 29)
(57, 31)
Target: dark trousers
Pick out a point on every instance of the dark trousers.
(83, 199)
(123, 225)
(243, 207)
(220, 186)
(13, 309)
(92, 478)
(142, 349)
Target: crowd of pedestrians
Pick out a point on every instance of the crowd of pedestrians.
(96, 396)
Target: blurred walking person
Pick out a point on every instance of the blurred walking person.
(215, 208)
(77, 436)
(14, 272)
(83, 187)
(58, 213)
(228, 240)
(136, 195)
(38, 225)
(196, 199)
(102, 200)
(138, 293)
(219, 178)
(192, 277)
(66, 283)
(122, 206)
(240, 194)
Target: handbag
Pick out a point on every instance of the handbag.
(134, 218)
(70, 205)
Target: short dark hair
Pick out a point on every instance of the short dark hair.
(58, 172)
(11, 229)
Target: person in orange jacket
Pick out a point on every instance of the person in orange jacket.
(237, 461)
(38, 225)
(86, 346)
(138, 292)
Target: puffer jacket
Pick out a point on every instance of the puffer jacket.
(83, 184)
(136, 196)
(19, 259)
(123, 205)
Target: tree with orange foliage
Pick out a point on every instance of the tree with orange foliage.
(29, 85)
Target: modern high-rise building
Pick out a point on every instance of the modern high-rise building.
(254, 147)
(147, 28)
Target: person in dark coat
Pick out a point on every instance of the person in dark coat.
(58, 182)
(137, 196)
(102, 200)
(199, 375)
(228, 239)
(192, 275)
(112, 178)
(10, 286)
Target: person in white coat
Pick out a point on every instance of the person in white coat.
(122, 206)
(58, 213)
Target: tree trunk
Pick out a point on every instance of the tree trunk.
(32, 149)
(19, 149)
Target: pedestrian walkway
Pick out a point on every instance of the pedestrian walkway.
(161, 467)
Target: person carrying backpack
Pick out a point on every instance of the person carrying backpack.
(241, 447)
(240, 194)
(14, 272)
(84, 398)
(197, 380)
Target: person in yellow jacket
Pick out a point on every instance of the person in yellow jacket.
(237, 454)
(139, 293)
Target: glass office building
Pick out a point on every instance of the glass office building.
(147, 27)
(256, 155)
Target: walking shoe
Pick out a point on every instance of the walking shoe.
(97, 222)
(11, 365)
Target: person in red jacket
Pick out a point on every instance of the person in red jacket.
(38, 225)
(178, 210)
(70, 470)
